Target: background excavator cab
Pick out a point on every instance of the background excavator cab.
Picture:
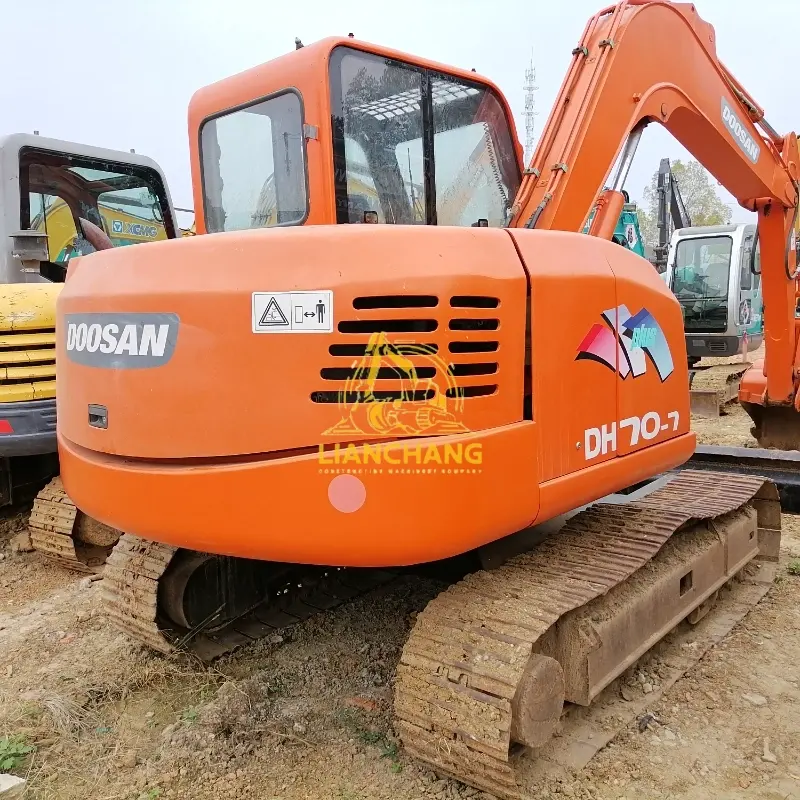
(339, 128)
(58, 200)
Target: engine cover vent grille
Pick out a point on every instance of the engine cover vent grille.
(388, 326)
(396, 301)
(388, 364)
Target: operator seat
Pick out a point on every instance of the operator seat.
(356, 206)
(717, 278)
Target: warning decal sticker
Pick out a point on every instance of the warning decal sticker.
(272, 314)
(293, 312)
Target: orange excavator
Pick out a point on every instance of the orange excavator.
(280, 419)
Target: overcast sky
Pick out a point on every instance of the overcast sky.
(120, 75)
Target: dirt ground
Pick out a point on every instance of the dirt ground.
(308, 717)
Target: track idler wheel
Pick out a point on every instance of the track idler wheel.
(537, 704)
(64, 534)
(93, 541)
(206, 591)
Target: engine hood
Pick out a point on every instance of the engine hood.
(247, 343)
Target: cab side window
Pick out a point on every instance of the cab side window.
(745, 275)
(51, 216)
(254, 173)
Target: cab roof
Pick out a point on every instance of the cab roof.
(285, 70)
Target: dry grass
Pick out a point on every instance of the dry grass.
(69, 718)
(153, 672)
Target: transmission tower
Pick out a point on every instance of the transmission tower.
(530, 110)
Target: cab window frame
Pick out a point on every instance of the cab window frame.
(303, 144)
(705, 240)
(427, 76)
(30, 154)
(745, 275)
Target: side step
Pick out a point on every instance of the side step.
(491, 661)
(712, 388)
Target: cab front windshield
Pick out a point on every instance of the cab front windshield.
(413, 146)
(700, 281)
(702, 268)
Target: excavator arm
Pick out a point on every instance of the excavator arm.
(640, 62)
(677, 208)
(672, 213)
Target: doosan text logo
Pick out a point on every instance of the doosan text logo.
(109, 339)
(121, 341)
(745, 141)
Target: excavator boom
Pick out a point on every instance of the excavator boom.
(640, 62)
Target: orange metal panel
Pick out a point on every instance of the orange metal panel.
(654, 397)
(227, 391)
(571, 286)
(284, 509)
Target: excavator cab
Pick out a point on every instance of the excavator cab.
(716, 277)
(339, 128)
(64, 199)
(58, 200)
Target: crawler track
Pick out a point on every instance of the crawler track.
(63, 534)
(131, 596)
(492, 659)
(464, 665)
(782, 467)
